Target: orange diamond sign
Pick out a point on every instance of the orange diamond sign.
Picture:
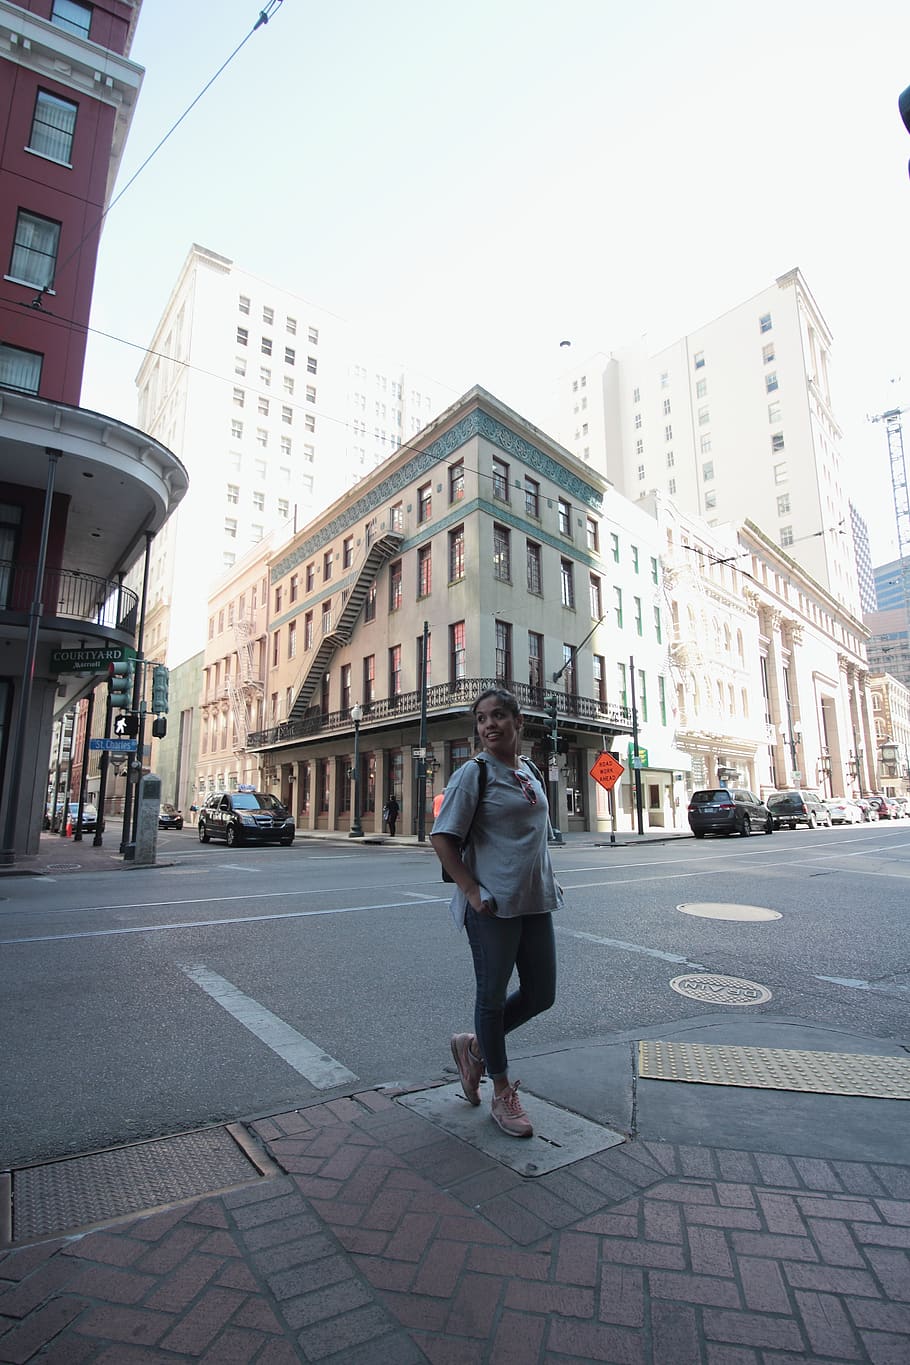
(607, 771)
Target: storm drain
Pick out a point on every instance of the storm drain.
(768, 1068)
(64, 1195)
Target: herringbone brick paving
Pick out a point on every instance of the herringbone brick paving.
(387, 1242)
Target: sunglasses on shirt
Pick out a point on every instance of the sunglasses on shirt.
(525, 783)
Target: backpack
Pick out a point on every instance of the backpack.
(481, 788)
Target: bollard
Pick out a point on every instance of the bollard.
(143, 851)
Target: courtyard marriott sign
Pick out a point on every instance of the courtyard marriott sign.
(89, 660)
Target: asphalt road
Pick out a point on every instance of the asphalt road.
(237, 982)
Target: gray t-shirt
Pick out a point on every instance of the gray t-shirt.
(507, 849)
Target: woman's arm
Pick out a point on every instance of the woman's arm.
(448, 851)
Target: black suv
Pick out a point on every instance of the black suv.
(794, 808)
(723, 810)
(245, 817)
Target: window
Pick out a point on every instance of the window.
(310, 393)
(704, 416)
(635, 558)
(535, 658)
(568, 666)
(657, 626)
(287, 415)
(671, 459)
(311, 364)
(642, 695)
(699, 359)
(596, 597)
(532, 498)
(327, 616)
(786, 535)
(639, 447)
(617, 605)
(424, 502)
(500, 480)
(310, 573)
(239, 366)
(668, 432)
(369, 607)
(265, 376)
(503, 651)
(707, 471)
(239, 398)
(771, 381)
(535, 582)
(258, 501)
(35, 244)
(600, 678)
(666, 407)
(637, 604)
(230, 527)
(369, 678)
(614, 546)
(780, 472)
(705, 443)
(236, 429)
(638, 421)
(774, 411)
(564, 517)
(592, 531)
(292, 639)
(263, 407)
(701, 388)
(777, 441)
(641, 473)
(456, 554)
(265, 346)
(567, 582)
(456, 481)
(665, 379)
(290, 357)
(396, 517)
(262, 437)
(294, 587)
(502, 553)
(710, 500)
(654, 569)
(233, 493)
(671, 485)
(312, 333)
(286, 449)
(20, 369)
(347, 552)
(783, 505)
(764, 322)
(395, 585)
(243, 337)
(276, 647)
(457, 651)
(53, 126)
(424, 571)
(243, 305)
(70, 15)
(767, 353)
(327, 565)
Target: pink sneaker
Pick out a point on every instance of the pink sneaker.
(510, 1116)
(470, 1069)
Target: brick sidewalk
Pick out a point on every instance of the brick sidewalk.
(387, 1242)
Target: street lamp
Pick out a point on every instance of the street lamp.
(356, 717)
(793, 737)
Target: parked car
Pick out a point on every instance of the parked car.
(245, 817)
(844, 811)
(792, 808)
(169, 817)
(68, 814)
(722, 810)
(870, 813)
(887, 807)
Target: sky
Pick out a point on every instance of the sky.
(473, 184)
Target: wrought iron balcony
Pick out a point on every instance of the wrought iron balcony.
(442, 698)
(67, 594)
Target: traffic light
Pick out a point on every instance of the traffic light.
(551, 703)
(160, 679)
(903, 104)
(126, 726)
(120, 677)
(159, 727)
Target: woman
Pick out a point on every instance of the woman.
(390, 814)
(495, 850)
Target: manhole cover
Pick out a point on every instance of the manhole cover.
(718, 910)
(720, 990)
(64, 1195)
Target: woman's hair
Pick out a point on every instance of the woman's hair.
(501, 694)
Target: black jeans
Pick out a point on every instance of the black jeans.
(499, 946)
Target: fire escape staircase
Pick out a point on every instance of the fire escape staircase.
(246, 686)
(336, 629)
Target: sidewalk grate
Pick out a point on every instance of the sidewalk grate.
(768, 1068)
(62, 1196)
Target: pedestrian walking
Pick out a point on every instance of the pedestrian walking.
(390, 813)
(491, 838)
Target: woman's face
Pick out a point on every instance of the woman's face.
(498, 728)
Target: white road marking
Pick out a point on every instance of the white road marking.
(631, 947)
(304, 1056)
(212, 923)
(858, 984)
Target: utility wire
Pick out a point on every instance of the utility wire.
(265, 14)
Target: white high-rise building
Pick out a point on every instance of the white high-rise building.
(276, 407)
(733, 421)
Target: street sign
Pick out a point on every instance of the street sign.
(114, 746)
(642, 754)
(607, 771)
(89, 660)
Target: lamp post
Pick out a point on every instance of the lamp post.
(793, 733)
(356, 717)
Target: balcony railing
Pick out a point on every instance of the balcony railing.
(443, 697)
(69, 594)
